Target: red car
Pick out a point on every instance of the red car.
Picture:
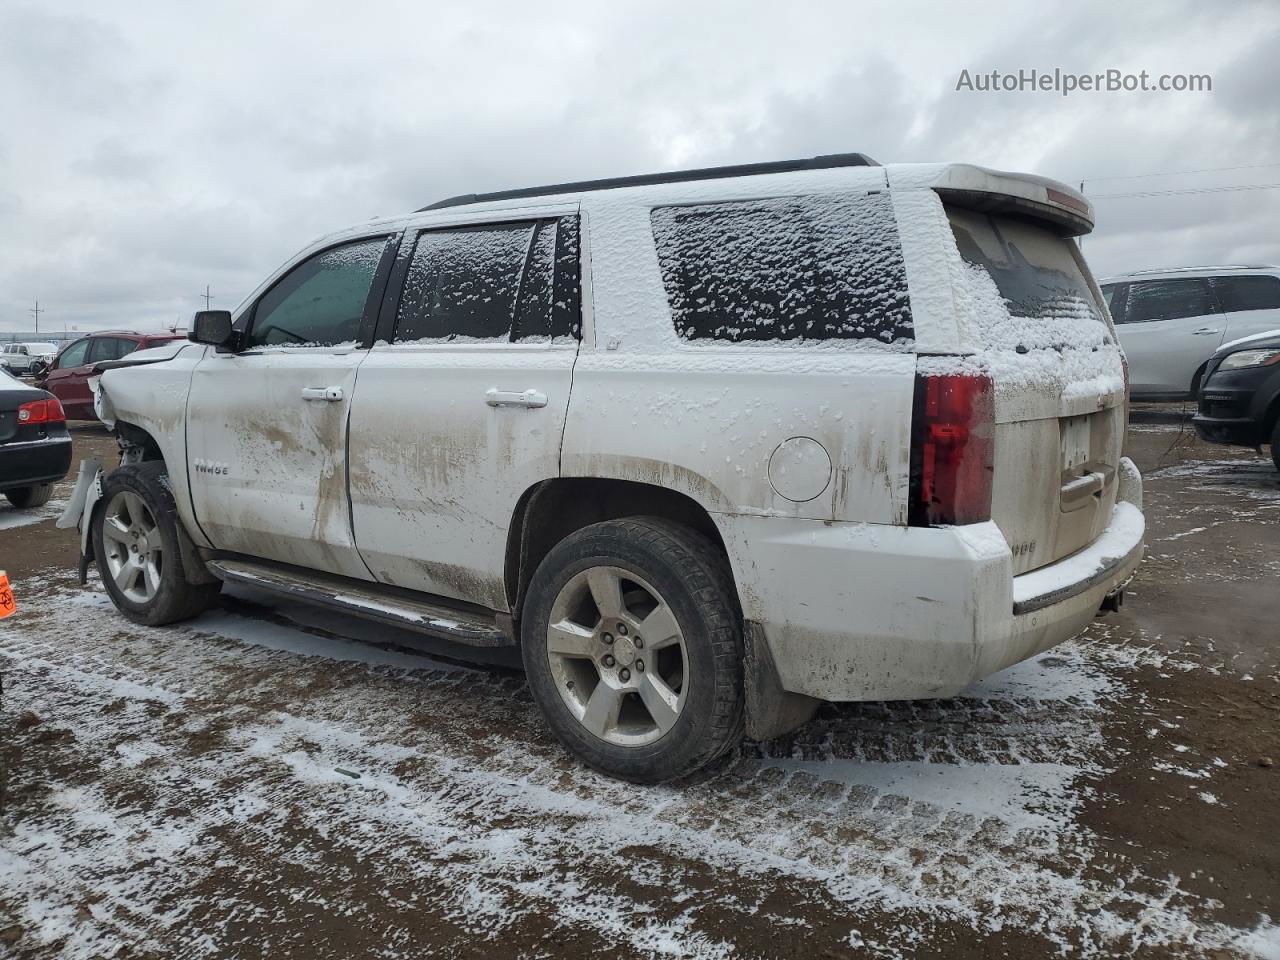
(67, 378)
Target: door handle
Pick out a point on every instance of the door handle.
(1203, 331)
(515, 398)
(327, 394)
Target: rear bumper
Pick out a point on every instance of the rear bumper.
(878, 612)
(38, 461)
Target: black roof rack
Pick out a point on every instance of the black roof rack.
(673, 176)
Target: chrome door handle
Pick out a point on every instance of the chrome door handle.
(515, 398)
(327, 394)
(1203, 331)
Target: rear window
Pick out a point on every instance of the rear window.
(1248, 293)
(1040, 279)
(789, 268)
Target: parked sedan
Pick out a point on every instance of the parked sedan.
(1171, 321)
(1240, 394)
(68, 376)
(35, 448)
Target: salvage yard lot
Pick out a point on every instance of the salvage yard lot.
(268, 781)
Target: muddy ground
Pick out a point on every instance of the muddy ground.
(271, 782)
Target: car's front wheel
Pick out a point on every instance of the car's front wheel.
(24, 498)
(633, 648)
(136, 542)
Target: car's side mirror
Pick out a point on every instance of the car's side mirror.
(40, 367)
(212, 327)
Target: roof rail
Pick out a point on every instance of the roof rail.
(1218, 266)
(674, 176)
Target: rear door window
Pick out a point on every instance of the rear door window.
(1169, 300)
(511, 282)
(1248, 293)
(110, 348)
(1038, 275)
(787, 268)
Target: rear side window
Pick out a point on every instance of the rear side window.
(512, 282)
(1248, 293)
(1049, 302)
(1169, 300)
(789, 268)
(110, 348)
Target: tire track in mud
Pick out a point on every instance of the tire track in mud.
(218, 763)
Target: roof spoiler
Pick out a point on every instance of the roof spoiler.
(1068, 211)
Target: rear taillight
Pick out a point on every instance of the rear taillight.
(952, 445)
(42, 411)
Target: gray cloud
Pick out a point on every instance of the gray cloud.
(154, 149)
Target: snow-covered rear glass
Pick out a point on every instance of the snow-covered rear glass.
(1038, 275)
(505, 282)
(789, 268)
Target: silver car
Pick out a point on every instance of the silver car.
(1171, 321)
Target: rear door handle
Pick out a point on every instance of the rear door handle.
(1203, 331)
(327, 394)
(515, 398)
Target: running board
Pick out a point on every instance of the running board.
(366, 600)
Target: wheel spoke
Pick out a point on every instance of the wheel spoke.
(125, 576)
(114, 529)
(606, 591)
(659, 629)
(151, 577)
(569, 640)
(660, 700)
(602, 709)
(150, 542)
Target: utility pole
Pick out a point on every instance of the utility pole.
(36, 313)
(208, 297)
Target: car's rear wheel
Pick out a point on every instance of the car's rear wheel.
(136, 541)
(633, 648)
(24, 498)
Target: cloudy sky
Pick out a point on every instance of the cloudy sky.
(150, 148)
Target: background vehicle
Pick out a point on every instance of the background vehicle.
(18, 357)
(35, 448)
(1240, 394)
(67, 377)
(781, 476)
(1171, 321)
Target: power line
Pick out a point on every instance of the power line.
(1184, 173)
(1185, 190)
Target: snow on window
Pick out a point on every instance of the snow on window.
(1047, 300)
(789, 268)
(321, 301)
(492, 282)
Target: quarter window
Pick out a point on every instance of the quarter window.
(503, 282)
(1248, 293)
(322, 301)
(789, 268)
(1169, 300)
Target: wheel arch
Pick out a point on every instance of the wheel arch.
(551, 510)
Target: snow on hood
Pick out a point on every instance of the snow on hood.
(1231, 345)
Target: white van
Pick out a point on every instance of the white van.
(710, 447)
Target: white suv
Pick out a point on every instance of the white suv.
(710, 447)
(1170, 322)
(18, 358)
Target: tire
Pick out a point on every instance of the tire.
(683, 708)
(1275, 444)
(151, 587)
(24, 498)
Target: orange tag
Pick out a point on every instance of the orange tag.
(7, 604)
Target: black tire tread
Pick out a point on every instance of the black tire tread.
(26, 498)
